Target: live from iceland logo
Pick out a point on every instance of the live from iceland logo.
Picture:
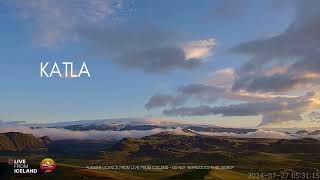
(20, 166)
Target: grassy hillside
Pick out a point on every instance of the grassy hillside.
(246, 155)
(16, 141)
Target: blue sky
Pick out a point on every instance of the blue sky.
(113, 37)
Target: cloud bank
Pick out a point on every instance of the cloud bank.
(60, 134)
(260, 133)
(63, 134)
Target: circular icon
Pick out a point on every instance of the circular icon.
(47, 165)
(10, 161)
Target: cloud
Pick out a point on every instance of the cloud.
(160, 121)
(199, 49)
(6, 123)
(207, 93)
(62, 134)
(274, 83)
(160, 100)
(275, 110)
(54, 21)
(94, 24)
(296, 49)
(143, 47)
(314, 116)
(210, 93)
(260, 133)
(120, 38)
(157, 60)
(279, 64)
(222, 78)
(59, 134)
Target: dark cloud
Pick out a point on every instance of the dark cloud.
(275, 82)
(207, 93)
(161, 100)
(116, 39)
(196, 89)
(157, 60)
(184, 93)
(273, 111)
(297, 48)
(300, 38)
(232, 110)
(201, 91)
(145, 47)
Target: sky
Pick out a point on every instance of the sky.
(231, 63)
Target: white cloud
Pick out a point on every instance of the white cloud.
(58, 134)
(199, 49)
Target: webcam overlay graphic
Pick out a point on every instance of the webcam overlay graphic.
(47, 165)
(170, 89)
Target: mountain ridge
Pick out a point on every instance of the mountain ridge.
(17, 141)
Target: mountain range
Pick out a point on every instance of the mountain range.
(305, 132)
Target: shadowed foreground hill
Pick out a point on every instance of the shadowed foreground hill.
(16, 141)
(166, 148)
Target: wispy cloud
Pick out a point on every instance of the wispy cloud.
(95, 25)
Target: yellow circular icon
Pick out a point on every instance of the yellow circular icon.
(47, 165)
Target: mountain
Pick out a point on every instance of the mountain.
(169, 148)
(16, 141)
(305, 145)
(137, 125)
(246, 154)
(112, 127)
(46, 140)
(317, 132)
(142, 127)
(302, 132)
(89, 127)
(220, 129)
(125, 124)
